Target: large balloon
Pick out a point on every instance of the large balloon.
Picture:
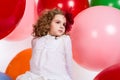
(113, 3)
(19, 64)
(24, 28)
(11, 11)
(73, 6)
(96, 37)
(110, 73)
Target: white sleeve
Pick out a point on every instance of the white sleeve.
(35, 56)
(69, 59)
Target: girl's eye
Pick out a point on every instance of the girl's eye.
(58, 22)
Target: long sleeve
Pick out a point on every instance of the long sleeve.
(37, 55)
(69, 60)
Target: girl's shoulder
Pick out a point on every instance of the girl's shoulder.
(34, 41)
(66, 36)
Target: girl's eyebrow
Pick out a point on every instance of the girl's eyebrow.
(57, 20)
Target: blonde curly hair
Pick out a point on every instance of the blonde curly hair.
(42, 27)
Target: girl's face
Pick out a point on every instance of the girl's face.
(57, 26)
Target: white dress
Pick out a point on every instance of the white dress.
(51, 59)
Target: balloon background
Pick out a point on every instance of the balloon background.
(16, 44)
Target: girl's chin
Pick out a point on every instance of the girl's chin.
(59, 35)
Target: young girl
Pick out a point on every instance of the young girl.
(51, 48)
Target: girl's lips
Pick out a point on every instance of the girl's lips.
(60, 31)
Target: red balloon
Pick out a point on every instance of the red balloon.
(110, 73)
(11, 11)
(73, 6)
(24, 28)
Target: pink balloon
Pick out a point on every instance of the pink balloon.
(24, 28)
(96, 37)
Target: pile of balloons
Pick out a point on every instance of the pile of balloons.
(95, 33)
(16, 23)
(96, 36)
(13, 13)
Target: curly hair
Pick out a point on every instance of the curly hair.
(42, 27)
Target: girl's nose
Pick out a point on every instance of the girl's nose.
(62, 26)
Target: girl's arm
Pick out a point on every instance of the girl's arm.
(68, 51)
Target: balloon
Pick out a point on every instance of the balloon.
(3, 76)
(113, 3)
(95, 37)
(10, 14)
(24, 28)
(110, 73)
(20, 64)
(73, 6)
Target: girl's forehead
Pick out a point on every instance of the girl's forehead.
(59, 17)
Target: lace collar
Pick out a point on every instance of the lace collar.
(51, 36)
